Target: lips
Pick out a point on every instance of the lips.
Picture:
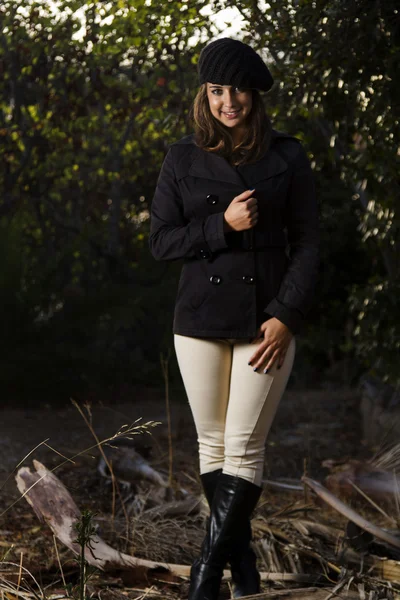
(231, 116)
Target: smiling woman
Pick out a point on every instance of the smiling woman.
(231, 121)
(241, 299)
(231, 105)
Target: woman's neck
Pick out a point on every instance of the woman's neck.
(238, 135)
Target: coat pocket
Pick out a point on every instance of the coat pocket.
(192, 288)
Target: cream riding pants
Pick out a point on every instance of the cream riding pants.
(232, 406)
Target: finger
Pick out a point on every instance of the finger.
(262, 356)
(281, 361)
(244, 195)
(272, 360)
(258, 340)
(254, 359)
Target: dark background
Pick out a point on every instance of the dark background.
(85, 122)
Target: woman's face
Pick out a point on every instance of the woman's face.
(226, 99)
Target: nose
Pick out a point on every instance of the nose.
(227, 99)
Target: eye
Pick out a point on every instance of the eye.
(238, 89)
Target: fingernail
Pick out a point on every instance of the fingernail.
(279, 366)
(266, 370)
(249, 363)
(255, 368)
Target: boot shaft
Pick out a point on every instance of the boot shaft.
(209, 482)
(233, 502)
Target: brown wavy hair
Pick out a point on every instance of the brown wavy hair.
(211, 135)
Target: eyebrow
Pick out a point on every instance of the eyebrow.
(220, 86)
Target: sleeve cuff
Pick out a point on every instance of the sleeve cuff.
(210, 236)
(214, 232)
(290, 317)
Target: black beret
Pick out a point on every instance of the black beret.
(231, 62)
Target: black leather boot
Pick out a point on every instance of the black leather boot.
(234, 501)
(245, 576)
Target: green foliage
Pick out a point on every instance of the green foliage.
(85, 121)
(335, 64)
(91, 96)
(377, 328)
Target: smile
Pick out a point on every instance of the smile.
(231, 114)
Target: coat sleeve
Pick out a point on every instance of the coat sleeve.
(296, 293)
(173, 237)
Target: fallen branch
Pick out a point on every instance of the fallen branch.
(366, 477)
(292, 486)
(54, 505)
(174, 509)
(375, 565)
(351, 514)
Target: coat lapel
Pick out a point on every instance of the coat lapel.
(212, 166)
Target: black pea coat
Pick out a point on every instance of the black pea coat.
(231, 282)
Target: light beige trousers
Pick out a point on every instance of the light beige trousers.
(232, 406)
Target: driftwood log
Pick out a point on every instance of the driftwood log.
(54, 505)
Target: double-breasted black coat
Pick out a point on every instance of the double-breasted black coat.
(233, 281)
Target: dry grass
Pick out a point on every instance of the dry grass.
(300, 543)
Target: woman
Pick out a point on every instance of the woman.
(229, 199)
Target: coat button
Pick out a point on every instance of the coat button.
(215, 279)
(212, 199)
(248, 279)
(205, 254)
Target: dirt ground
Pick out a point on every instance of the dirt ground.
(315, 425)
(310, 426)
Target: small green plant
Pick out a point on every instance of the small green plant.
(85, 532)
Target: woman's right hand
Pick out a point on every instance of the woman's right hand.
(242, 213)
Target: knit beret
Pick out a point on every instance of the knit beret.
(230, 62)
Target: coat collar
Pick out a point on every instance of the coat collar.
(212, 166)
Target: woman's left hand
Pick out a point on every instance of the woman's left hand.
(276, 337)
